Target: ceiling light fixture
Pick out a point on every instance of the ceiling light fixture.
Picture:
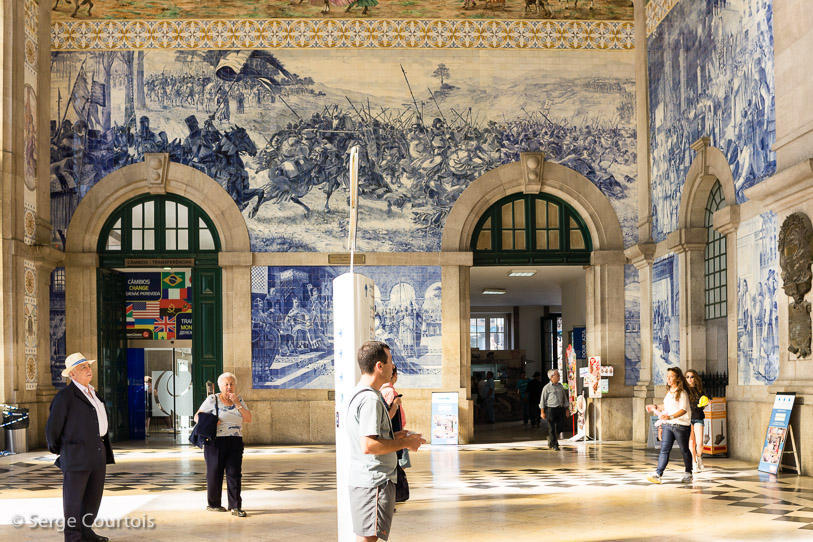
(493, 291)
(522, 273)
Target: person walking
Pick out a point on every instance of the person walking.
(553, 405)
(373, 446)
(697, 417)
(76, 431)
(534, 398)
(488, 397)
(225, 453)
(522, 388)
(674, 413)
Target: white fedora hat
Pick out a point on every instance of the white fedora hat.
(73, 360)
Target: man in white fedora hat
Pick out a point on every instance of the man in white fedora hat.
(77, 432)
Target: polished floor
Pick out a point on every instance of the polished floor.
(492, 491)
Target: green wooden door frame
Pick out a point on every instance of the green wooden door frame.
(112, 351)
(207, 310)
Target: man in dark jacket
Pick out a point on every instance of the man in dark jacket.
(534, 393)
(77, 431)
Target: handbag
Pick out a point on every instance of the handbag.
(205, 430)
(401, 486)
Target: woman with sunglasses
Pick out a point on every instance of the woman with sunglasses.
(698, 418)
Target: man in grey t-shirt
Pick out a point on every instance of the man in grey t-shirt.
(373, 446)
(554, 407)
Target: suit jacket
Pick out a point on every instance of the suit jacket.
(72, 432)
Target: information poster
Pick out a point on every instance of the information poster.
(445, 417)
(570, 354)
(580, 342)
(715, 430)
(159, 305)
(594, 377)
(777, 432)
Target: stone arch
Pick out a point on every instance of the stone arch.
(710, 165)
(563, 182)
(134, 180)
(604, 277)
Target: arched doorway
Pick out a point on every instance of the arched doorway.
(603, 265)
(199, 226)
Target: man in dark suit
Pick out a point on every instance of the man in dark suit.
(77, 432)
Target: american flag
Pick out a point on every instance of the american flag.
(146, 309)
(165, 325)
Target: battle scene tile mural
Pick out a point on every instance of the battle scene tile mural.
(329, 9)
(757, 289)
(665, 317)
(275, 130)
(292, 324)
(711, 74)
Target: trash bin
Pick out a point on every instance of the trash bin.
(15, 424)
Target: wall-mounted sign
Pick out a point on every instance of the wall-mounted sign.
(159, 305)
(580, 342)
(594, 377)
(445, 417)
(344, 259)
(159, 262)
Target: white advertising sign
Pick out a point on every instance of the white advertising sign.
(354, 324)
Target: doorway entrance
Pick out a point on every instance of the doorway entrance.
(160, 324)
(162, 406)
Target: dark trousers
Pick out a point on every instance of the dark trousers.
(534, 414)
(555, 416)
(81, 496)
(672, 433)
(225, 454)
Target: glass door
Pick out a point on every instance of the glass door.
(170, 406)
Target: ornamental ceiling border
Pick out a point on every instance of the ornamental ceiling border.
(342, 34)
(656, 11)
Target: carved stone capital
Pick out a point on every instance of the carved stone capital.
(157, 166)
(795, 254)
(687, 239)
(532, 165)
(727, 219)
(641, 255)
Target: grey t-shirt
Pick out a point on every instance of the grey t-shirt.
(367, 417)
(553, 395)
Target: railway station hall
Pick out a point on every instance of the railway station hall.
(582, 229)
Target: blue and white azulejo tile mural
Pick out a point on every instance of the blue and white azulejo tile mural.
(292, 324)
(632, 325)
(665, 317)
(757, 290)
(274, 128)
(711, 74)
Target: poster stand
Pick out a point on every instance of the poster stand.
(796, 467)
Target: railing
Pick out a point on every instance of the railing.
(714, 384)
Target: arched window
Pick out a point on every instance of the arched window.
(531, 229)
(715, 257)
(159, 226)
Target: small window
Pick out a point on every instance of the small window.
(525, 228)
(488, 332)
(716, 280)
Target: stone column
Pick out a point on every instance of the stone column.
(605, 338)
(642, 257)
(642, 124)
(455, 311)
(689, 245)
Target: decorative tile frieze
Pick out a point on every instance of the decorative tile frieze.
(340, 33)
(656, 11)
(30, 322)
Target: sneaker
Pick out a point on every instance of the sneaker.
(699, 464)
(215, 509)
(238, 512)
(687, 478)
(654, 478)
(694, 467)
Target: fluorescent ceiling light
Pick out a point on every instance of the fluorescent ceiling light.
(522, 273)
(493, 291)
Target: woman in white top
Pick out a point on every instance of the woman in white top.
(674, 414)
(225, 453)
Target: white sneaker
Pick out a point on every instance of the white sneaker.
(695, 468)
(687, 479)
(699, 464)
(654, 478)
